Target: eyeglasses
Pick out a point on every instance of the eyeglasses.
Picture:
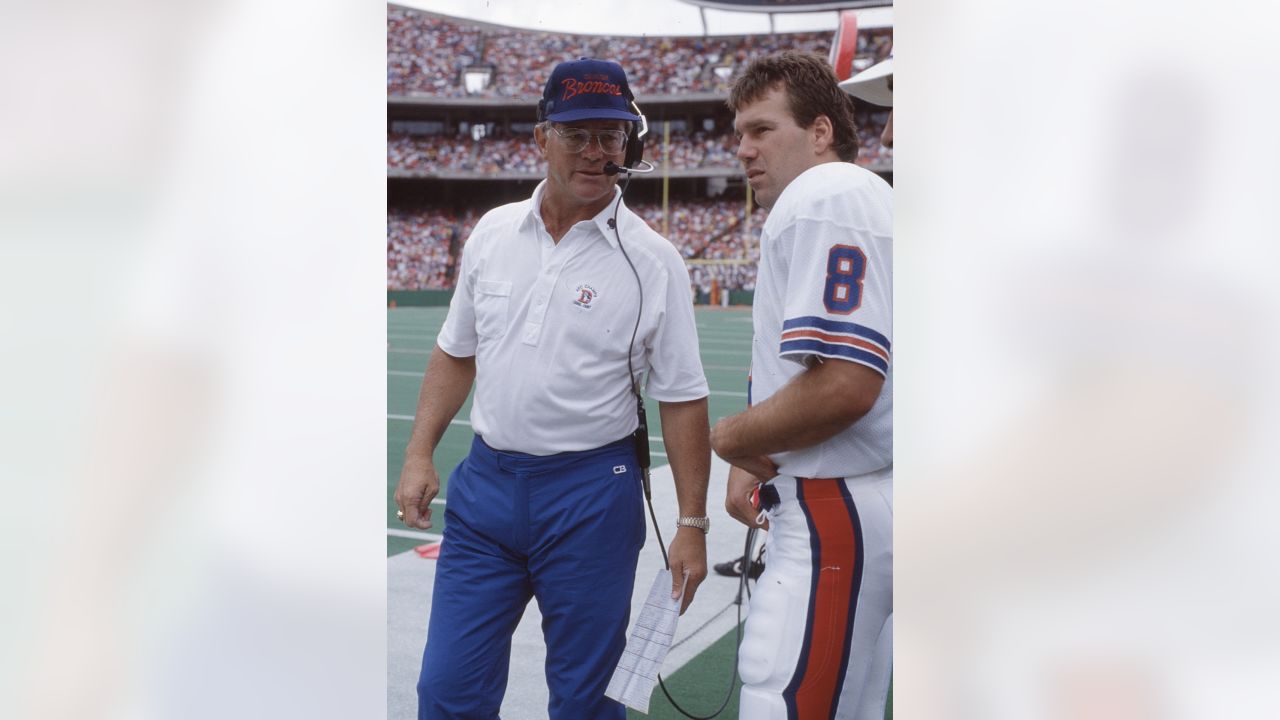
(576, 139)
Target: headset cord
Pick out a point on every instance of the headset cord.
(642, 426)
(737, 637)
(642, 453)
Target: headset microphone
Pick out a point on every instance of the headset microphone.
(611, 168)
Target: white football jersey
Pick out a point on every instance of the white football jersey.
(824, 293)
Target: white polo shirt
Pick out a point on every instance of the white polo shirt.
(549, 324)
(824, 292)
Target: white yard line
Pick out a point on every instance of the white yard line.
(730, 340)
(414, 534)
(409, 418)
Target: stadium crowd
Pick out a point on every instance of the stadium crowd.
(427, 54)
(439, 153)
(519, 155)
(706, 229)
(726, 277)
(423, 242)
(709, 233)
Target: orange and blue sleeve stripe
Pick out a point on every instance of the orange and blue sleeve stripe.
(812, 335)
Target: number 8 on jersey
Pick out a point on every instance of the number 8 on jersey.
(846, 267)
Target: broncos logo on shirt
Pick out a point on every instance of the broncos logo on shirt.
(586, 294)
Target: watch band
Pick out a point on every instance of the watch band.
(702, 523)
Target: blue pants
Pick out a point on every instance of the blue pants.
(566, 529)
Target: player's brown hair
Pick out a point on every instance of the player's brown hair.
(812, 90)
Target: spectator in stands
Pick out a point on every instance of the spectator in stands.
(516, 153)
(428, 54)
(421, 247)
(422, 242)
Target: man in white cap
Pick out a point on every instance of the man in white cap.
(875, 85)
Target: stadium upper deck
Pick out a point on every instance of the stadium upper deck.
(430, 55)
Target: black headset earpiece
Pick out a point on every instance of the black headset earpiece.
(635, 147)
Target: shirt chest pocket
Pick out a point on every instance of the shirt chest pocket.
(493, 304)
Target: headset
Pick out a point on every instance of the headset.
(635, 149)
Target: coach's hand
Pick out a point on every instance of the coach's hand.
(737, 497)
(688, 555)
(419, 484)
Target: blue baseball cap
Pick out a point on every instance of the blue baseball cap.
(587, 89)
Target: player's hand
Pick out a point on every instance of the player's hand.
(759, 466)
(727, 442)
(419, 484)
(737, 497)
(688, 555)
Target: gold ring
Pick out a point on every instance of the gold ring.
(400, 514)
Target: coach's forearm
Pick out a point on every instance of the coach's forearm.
(685, 432)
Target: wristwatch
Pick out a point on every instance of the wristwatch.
(702, 523)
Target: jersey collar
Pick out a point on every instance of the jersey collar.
(601, 219)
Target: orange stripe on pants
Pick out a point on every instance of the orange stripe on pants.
(818, 680)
